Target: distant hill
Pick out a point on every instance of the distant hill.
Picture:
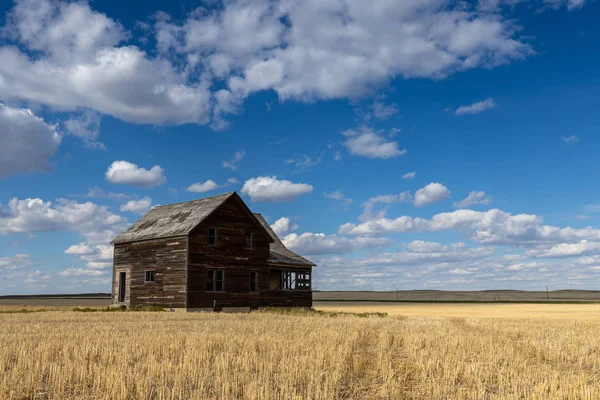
(485, 296)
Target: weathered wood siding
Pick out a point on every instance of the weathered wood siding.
(167, 257)
(230, 255)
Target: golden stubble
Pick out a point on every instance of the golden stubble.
(71, 355)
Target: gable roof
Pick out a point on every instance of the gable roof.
(177, 219)
(279, 253)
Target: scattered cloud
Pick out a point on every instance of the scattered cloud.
(232, 163)
(86, 126)
(495, 5)
(28, 142)
(339, 196)
(432, 193)
(409, 175)
(382, 111)
(37, 278)
(96, 223)
(570, 139)
(15, 263)
(67, 56)
(75, 272)
(205, 186)
(368, 143)
(476, 108)
(140, 206)
(475, 197)
(489, 227)
(575, 4)
(283, 225)
(581, 217)
(269, 188)
(305, 162)
(460, 271)
(582, 247)
(418, 253)
(96, 192)
(368, 207)
(96, 257)
(593, 207)
(126, 173)
(233, 181)
(319, 243)
(200, 68)
(377, 110)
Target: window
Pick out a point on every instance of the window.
(212, 236)
(254, 281)
(288, 280)
(150, 276)
(292, 280)
(249, 243)
(215, 279)
(303, 280)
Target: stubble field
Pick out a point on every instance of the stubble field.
(423, 352)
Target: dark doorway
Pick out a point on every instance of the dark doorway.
(122, 279)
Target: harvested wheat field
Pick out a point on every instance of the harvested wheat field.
(145, 355)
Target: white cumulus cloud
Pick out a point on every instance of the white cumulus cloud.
(269, 188)
(283, 225)
(490, 227)
(140, 206)
(205, 186)
(432, 193)
(97, 257)
(318, 243)
(126, 173)
(96, 223)
(368, 143)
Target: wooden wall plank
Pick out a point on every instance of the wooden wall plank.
(230, 255)
(168, 257)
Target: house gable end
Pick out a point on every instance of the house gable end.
(236, 198)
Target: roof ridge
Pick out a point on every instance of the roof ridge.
(191, 201)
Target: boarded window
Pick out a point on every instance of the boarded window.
(150, 276)
(254, 281)
(212, 236)
(249, 238)
(215, 280)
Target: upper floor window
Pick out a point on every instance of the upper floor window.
(249, 240)
(215, 280)
(150, 276)
(212, 236)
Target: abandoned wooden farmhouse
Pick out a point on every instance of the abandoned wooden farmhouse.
(205, 254)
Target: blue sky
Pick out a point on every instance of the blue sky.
(422, 145)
